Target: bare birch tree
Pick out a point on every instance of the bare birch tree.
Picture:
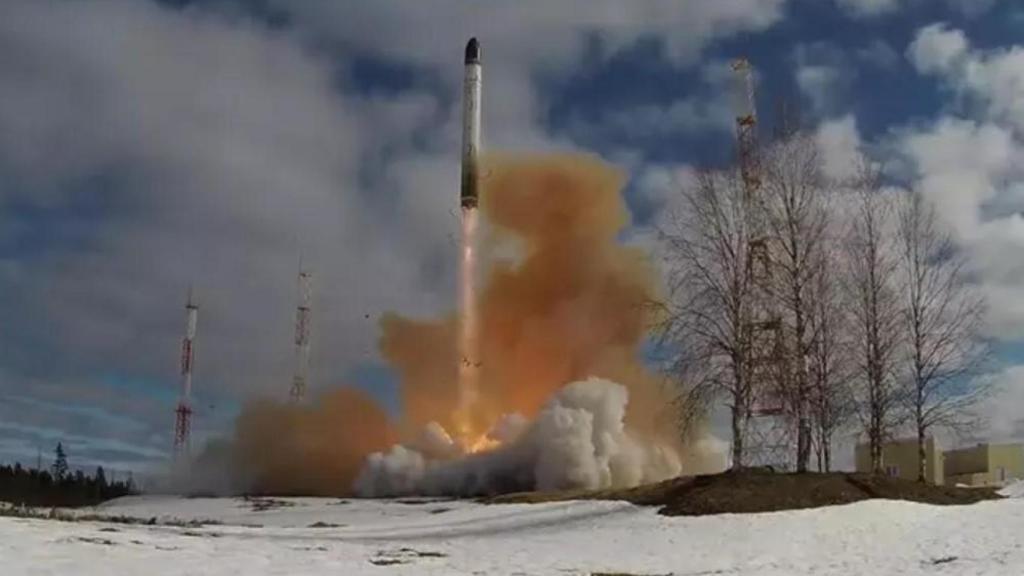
(943, 318)
(829, 366)
(794, 201)
(875, 309)
(709, 310)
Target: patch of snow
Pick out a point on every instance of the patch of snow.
(1014, 490)
(423, 536)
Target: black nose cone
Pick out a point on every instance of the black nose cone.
(473, 51)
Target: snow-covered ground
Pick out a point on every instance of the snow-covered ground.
(352, 537)
(1014, 490)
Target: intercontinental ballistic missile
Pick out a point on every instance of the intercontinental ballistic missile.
(471, 88)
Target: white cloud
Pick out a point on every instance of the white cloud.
(662, 185)
(963, 167)
(937, 49)
(879, 53)
(656, 120)
(993, 79)
(972, 8)
(824, 74)
(519, 39)
(865, 8)
(820, 84)
(873, 8)
(960, 166)
(840, 145)
(970, 168)
(705, 109)
(998, 79)
(220, 155)
(1004, 420)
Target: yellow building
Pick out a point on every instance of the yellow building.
(900, 458)
(985, 465)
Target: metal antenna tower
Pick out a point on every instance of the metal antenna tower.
(302, 329)
(183, 413)
(767, 432)
(746, 127)
(750, 168)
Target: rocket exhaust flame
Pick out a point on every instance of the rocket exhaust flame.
(468, 357)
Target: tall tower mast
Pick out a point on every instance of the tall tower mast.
(746, 128)
(302, 329)
(183, 413)
(768, 432)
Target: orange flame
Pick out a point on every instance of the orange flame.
(482, 444)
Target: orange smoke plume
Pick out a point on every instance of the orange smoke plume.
(570, 306)
(309, 450)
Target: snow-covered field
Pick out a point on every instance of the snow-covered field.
(350, 537)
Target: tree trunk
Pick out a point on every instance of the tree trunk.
(827, 450)
(921, 454)
(803, 441)
(737, 435)
(875, 439)
(818, 454)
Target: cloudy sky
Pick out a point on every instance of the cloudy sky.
(147, 146)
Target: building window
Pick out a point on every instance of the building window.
(1001, 474)
(892, 471)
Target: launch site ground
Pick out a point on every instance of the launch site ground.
(156, 535)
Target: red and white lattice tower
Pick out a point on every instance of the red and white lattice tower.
(302, 330)
(768, 437)
(183, 413)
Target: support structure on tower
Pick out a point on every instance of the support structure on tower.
(750, 168)
(183, 413)
(302, 336)
(746, 128)
(768, 433)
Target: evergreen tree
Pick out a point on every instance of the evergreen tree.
(60, 464)
(100, 483)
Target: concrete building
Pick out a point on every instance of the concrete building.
(981, 465)
(985, 465)
(899, 459)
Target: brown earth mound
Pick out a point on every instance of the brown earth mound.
(764, 491)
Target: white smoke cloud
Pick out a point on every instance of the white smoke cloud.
(579, 440)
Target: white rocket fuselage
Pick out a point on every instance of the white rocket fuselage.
(471, 98)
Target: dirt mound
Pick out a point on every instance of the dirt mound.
(764, 491)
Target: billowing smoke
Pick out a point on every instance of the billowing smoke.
(563, 390)
(578, 440)
(287, 449)
(572, 305)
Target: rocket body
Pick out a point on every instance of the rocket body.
(471, 94)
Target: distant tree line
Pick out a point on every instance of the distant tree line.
(58, 486)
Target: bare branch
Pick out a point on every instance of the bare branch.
(943, 317)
